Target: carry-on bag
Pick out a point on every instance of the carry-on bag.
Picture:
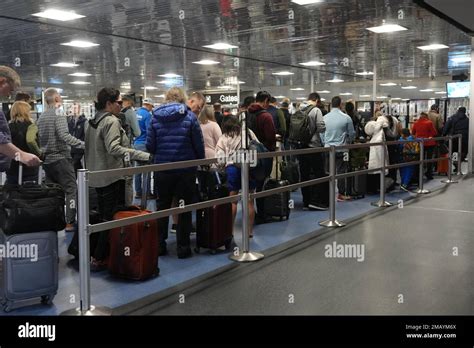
(31, 207)
(443, 165)
(28, 268)
(213, 224)
(276, 205)
(290, 171)
(134, 248)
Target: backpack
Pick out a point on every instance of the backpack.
(259, 172)
(411, 150)
(251, 120)
(300, 127)
(390, 132)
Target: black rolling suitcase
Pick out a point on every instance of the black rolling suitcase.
(276, 205)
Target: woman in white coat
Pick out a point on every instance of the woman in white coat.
(374, 129)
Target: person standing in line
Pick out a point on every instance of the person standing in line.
(286, 114)
(458, 124)
(9, 82)
(278, 118)
(20, 96)
(211, 131)
(218, 113)
(339, 131)
(56, 142)
(424, 128)
(130, 125)
(76, 126)
(144, 120)
(435, 117)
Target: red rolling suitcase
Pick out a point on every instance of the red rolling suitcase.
(443, 165)
(134, 248)
(214, 224)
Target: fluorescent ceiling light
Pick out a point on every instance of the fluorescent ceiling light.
(221, 46)
(335, 81)
(409, 80)
(387, 28)
(160, 96)
(241, 82)
(406, 99)
(322, 99)
(396, 98)
(426, 90)
(150, 87)
(347, 93)
(170, 75)
(64, 96)
(225, 87)
(409, 87)
(461, 59)
(388, 84)
(365, 96)
(206, 62)
(65, 65)
(301, 98)
(297, 89)
(58, 15)
(440, 93)
(382, 97)
(324, 92)
(280, 96)
(306, 2)
(80, 74)
(312, 63)
(432, 47)
(365, 73)
(283, 73)
(80, 83)
(80, 44)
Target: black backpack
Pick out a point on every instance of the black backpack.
(251, 120)
(300, 127)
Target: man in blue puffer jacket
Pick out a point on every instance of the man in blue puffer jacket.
(175, 135)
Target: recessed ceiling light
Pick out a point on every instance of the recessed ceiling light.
(440, 93)
(335, 80)
(241, 82)
(409, 87)
(80, 83)
(382, 97)
(280, 96)
(170, 75)
(312, 63)
(432, 47)
(387, 28)
(389, 84)
(283, 73)
(80, 44)
(221, 46)
(206, 62)
(160, 96)
(301, 98)
(225, 87)
(365, 73)
(58, 15)
(65, 65)
(365, 96)
(405, 99)
(324, 92)
(79, 74)
(306, 2)
(322, 99)
(150, 87)
(426, 90)
(396, 98)
(64, 96)
(297, 89)
(465, 59)
(347, 93)
(409, 80)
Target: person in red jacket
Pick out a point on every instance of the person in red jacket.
(424, 128)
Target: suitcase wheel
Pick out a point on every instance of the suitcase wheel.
(47, 299)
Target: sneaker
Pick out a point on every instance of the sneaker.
(404, 188)
(71, 228)
(97, 265)
(318, 207)
(342, 198)
(174, 227)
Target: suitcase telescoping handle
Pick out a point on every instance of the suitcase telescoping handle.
(20, 174)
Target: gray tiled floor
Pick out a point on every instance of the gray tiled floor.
(408, 252)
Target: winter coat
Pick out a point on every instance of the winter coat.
(424, 128)
(374, 129)
(175, 135)
(316, 124)
(265, 132)
(458, 124)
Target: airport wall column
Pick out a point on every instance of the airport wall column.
(422, 165)
(332, 222)
(450, 164)
(470, 149)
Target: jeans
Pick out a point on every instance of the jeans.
(312, 167)
(406, 174)
(342, 167)
(62, 173)
(181, 185)
(138, 177)
(109, 199)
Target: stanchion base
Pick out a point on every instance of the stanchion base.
(247, 257)
(423, 192)
(329, 223)
(93, 311)
(449, 181)
(381, 204)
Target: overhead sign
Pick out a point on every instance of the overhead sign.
(222, 98)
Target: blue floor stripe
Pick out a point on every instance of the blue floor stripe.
(112, 292)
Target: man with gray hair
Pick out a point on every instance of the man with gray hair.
(55, 142)
(9, 81)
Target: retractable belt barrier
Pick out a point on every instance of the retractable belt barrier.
(84, 177)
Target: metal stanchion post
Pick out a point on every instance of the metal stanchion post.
(84, 253)
(245, 255)
(421, 190)
(382, 202)
(450, 164)
(332, 222)
(459, 171)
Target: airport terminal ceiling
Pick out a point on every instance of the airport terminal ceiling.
(143, 39)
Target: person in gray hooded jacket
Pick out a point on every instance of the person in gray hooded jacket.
(312, 166)
(106, 148)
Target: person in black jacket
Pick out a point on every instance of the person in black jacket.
(76, 125)
(458, 124)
